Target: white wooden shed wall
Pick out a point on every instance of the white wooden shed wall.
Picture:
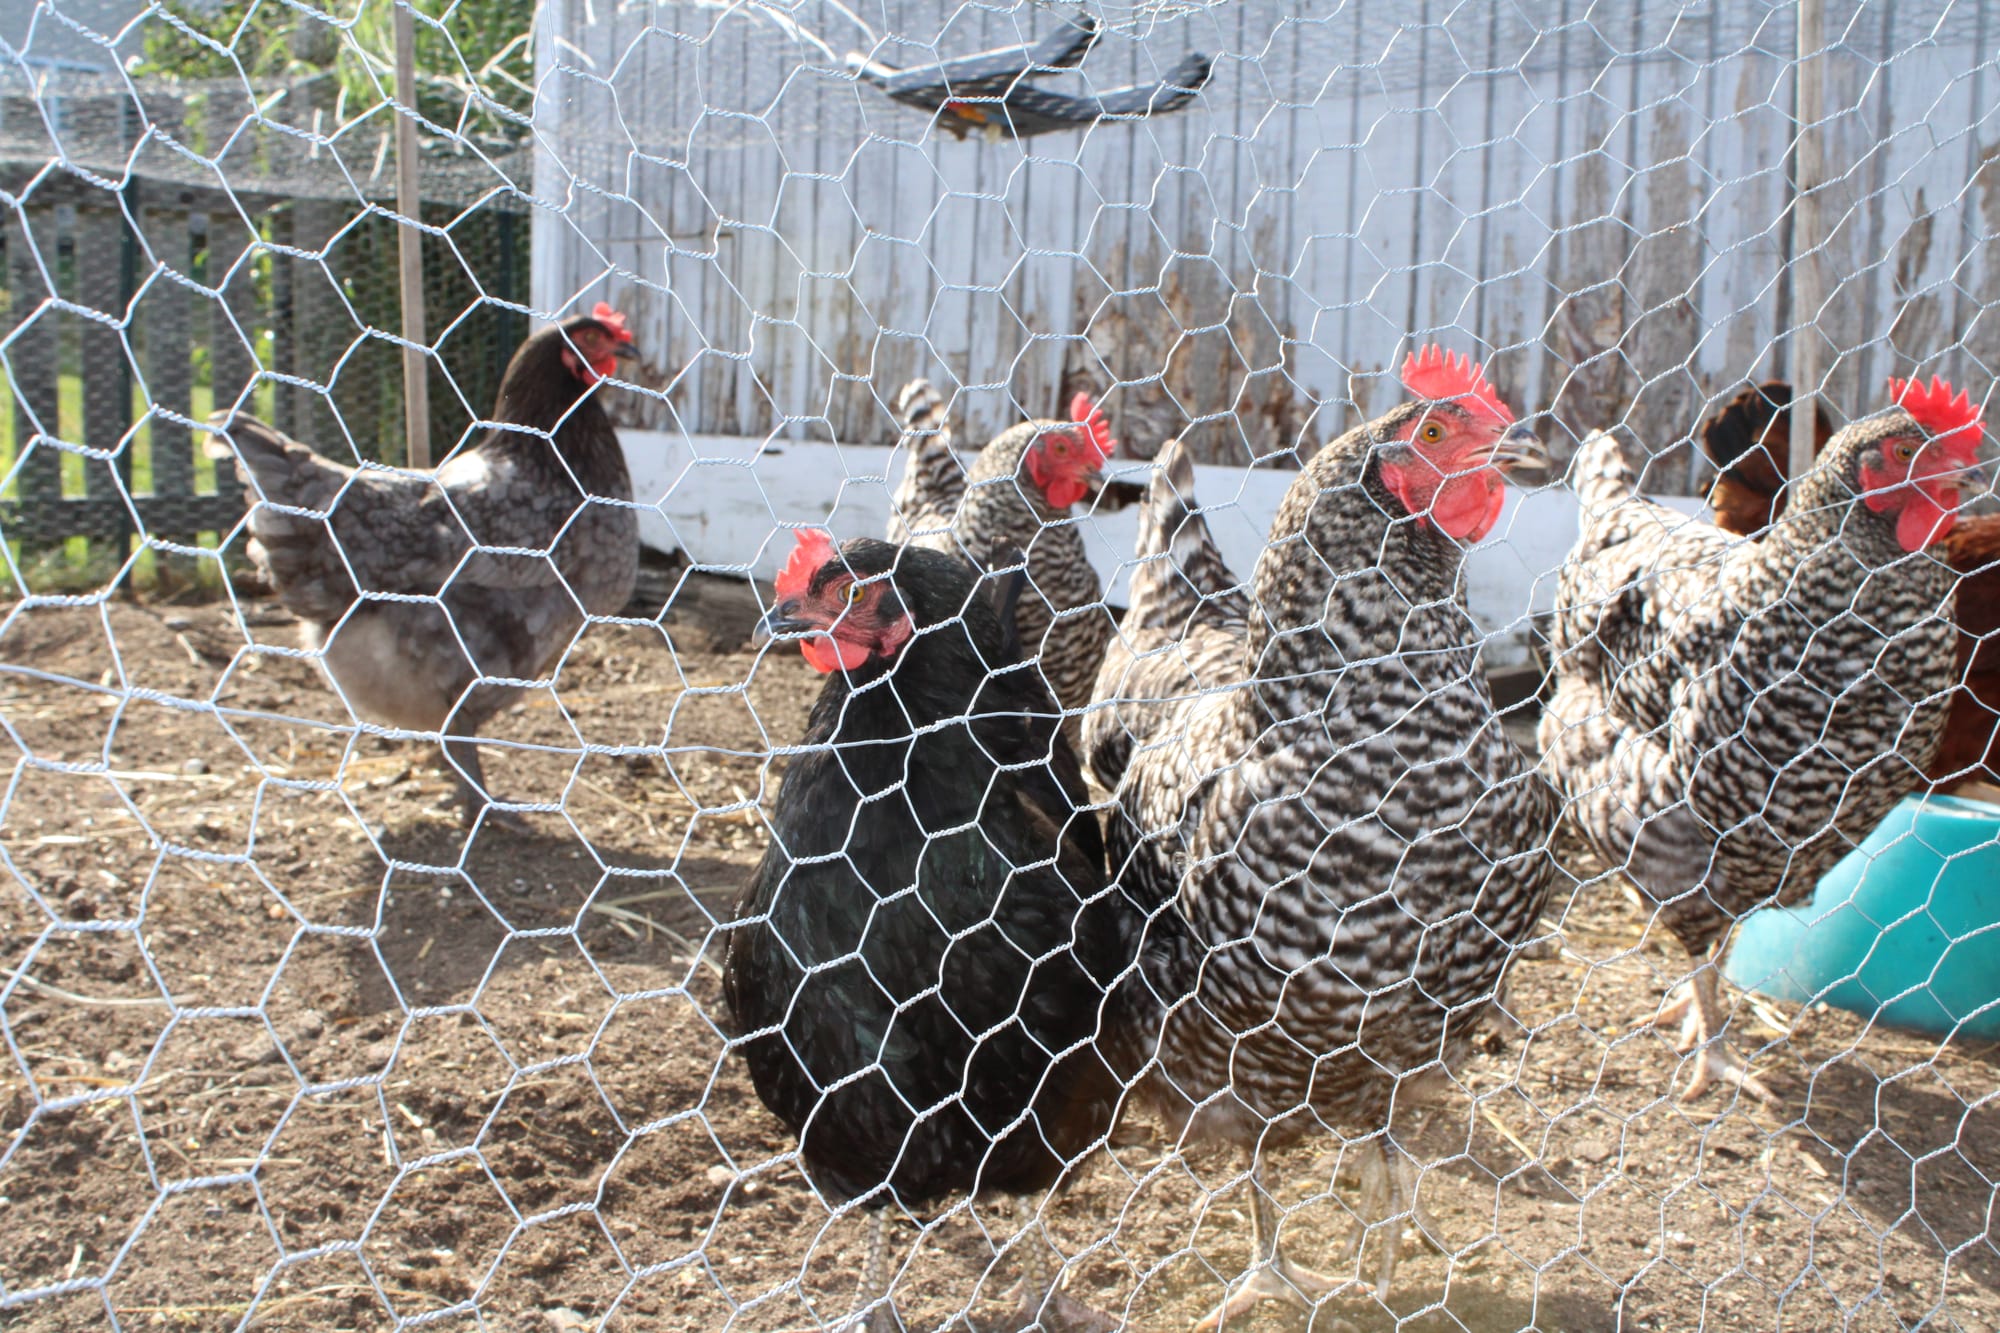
(1593, 194)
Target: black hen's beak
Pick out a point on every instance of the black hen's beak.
(624, 351)
(781, 621)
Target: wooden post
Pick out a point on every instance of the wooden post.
(410, 245)
(1808, 292)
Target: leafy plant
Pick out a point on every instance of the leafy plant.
(474, 58)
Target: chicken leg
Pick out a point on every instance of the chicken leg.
(1044, 1304)
(1389, 1179)
(462, 753)
(477, 706)
(1698, 1007)
(1272, 1276)
(872, 1295)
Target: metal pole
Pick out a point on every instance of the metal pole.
(410, 244)
(1808, 292)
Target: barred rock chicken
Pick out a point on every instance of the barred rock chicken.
(1749, 492)
(1731, 717)
(919, 963)
(926, 500)
(547, 485)
(1184, 626)
(1344, 848)
(1016, 499)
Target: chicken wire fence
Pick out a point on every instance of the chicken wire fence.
(304, 1031)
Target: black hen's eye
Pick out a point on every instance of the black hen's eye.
(1431, 433)
(855, 592)
(1903, 451)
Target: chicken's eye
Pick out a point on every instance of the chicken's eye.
(1062, 446)
(1902, 451)
(1431, 433)
(855, 592)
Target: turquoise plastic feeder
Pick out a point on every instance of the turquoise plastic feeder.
(1905, 930)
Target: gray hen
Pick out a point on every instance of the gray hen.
(1731, 717)
(510, 543)
(1343, 850)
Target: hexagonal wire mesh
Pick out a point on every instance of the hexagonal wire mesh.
(1312, 895)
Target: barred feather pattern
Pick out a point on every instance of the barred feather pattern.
(1061, 615)
(1342, 850)
(927, 498)
(1732, 717)
(1183, 627)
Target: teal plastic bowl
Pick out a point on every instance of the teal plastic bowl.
(1905, 930)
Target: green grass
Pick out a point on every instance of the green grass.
(79, 565)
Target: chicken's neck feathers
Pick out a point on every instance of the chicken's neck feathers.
(1346, 571)
(542, 422)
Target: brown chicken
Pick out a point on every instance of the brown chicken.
(431, 597)
(1749, 442)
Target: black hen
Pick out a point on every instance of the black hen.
(921, 959)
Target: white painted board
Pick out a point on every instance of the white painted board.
(727, 501)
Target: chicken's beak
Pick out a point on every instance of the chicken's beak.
(624, 351)
(1520, 447)
(782, 621)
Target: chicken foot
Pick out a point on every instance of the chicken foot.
(1272, 1276)
(1043, 1303)
(1697, 1005)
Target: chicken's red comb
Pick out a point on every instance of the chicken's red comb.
(1443, 376)
(1952, 421)
(815, 548)
(612, 320)
(1083, 410)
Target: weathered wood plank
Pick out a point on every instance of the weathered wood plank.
(163, 322)
(1592, 193)
(32, 366)
(100, 259)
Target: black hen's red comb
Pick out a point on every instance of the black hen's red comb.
(815, 548)
(611, 319)
(1443, 376)
(1951, 420)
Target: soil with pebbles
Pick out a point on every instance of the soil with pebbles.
(285, 1048)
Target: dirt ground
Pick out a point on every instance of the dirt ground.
(283, 1050)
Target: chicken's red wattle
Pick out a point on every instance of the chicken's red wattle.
(826, 654)
(1927, 510)
(1464, 507)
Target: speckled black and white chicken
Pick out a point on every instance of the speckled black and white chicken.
(919, 965)
(1343, 849)
(1732, 717)
(926, 499)
(512, 541)
(1184, 626)
(1016, 500)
